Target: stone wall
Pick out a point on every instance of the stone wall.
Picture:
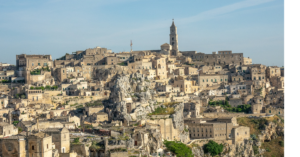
(222, 114)
(118, 154)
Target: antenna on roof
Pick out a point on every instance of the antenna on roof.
(131, 45)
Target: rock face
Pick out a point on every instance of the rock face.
(134, 87)
(178, 122)
(130, 143)
(121, 89)
(242, 150)
(177, 117)
(270, 132)
(150, 140)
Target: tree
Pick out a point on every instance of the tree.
(226, 103)
(213, 148)
(76, 140)
(221, 102)
(23, 96)
(180, 149)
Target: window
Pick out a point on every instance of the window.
(269, 111)
(32, 64)
(47, 146)
(32, 147)
(246, 132)
(39, 64)
(45, 64)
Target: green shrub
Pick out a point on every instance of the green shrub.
(76, 140)
(255, 149)
(213, 148)
(180, 149)
(281, 143)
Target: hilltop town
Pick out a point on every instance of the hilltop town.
(98, 103)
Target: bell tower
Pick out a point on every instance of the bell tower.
(173, 37)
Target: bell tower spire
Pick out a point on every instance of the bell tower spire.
(173, 36)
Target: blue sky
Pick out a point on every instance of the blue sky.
(56, 27)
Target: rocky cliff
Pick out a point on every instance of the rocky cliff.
(242, 150)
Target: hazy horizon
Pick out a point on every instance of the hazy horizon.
(56, 27)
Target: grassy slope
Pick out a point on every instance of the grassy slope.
(275, 149)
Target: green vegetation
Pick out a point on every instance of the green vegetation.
(213, 148)
(169, 109)
(188, 64)
(36, 72)
(256, 125)
(255, 149)
(240, 108)
(20, 129)
(180, 149)
(18, 81)
(62, 58)
(22, 96)
(43, 88)
(94, 104)
(46, 68)
(15, 122)
(76, 140)
(79, 107)
(89, 127)
(274, 147)
(123, 64)
(123, 138)
(162, 111)
(95, 146)
(281, 143)
(6, 81)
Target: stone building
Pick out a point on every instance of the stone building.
(257, 108)
(216, 129)
(207, 80)
(39, 144)
(29, 62)
(13, 146)
(60, 138)
(247, 61)
(222, 57)
(273, 71)
(3, 101)
(7, 129)
(160, 65)
(239, 134)
(274, 110)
